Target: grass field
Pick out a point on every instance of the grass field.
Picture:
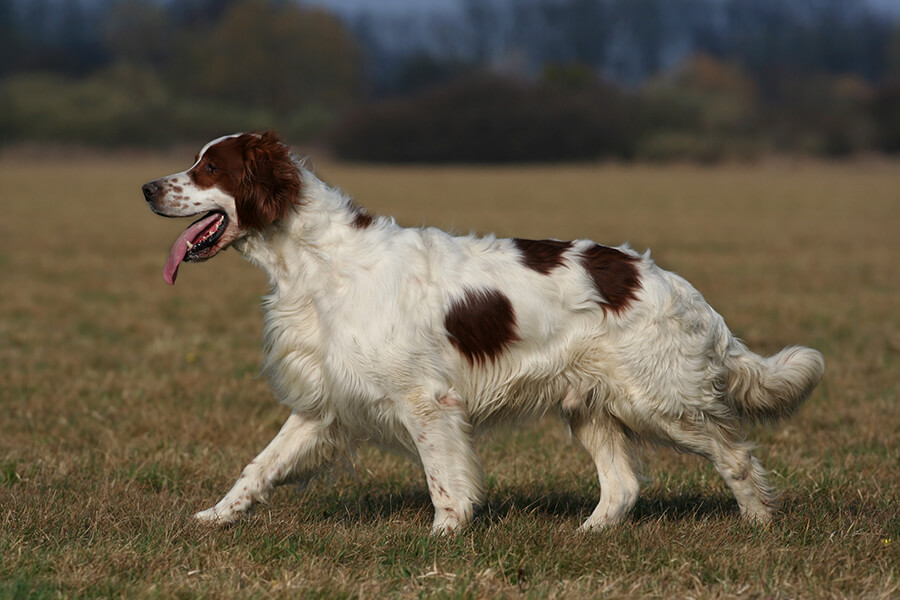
(126, 405)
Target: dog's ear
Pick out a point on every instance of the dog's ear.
(270, 183)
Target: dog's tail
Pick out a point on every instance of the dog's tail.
(767, 390)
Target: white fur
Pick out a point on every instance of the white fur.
(356, 346)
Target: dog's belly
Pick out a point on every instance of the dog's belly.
(522, 399)
(365, 399)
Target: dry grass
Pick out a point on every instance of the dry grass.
(126, 404)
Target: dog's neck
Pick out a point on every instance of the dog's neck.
(306, 248)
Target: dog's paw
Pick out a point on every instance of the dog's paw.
(449, 521)
(761, 516)
(594, 525)
(216, 516)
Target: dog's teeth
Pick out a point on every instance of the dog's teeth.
(189, 244)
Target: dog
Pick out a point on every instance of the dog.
(417, 341)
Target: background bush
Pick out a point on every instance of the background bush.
(184, 72)
(491, 119)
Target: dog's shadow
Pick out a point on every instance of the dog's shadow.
(575, 507)
(507, 503)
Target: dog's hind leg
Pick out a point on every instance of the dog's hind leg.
(442, 436)
(723, 445)
(301, 447)
(605, 439)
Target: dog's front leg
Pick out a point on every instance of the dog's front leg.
(295, 454)
(442, 434)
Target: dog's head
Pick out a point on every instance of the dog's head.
(240, 183)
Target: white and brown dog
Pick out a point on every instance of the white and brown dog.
(417, 340)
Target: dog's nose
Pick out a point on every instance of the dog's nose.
(150, 190)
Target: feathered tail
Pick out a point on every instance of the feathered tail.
(767, 390)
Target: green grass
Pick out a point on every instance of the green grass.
(127, 405)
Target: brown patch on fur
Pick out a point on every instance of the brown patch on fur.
(270, 186)
(481, 324)
(615, 276)
(361, 218)
(542, 255)
(222, 165)
(450, 401)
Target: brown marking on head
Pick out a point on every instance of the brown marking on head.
(615, 276)
(481, 324)
(257, 171)
(542, 255)
(222, 165)
(271, 183)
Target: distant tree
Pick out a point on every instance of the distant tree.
(483, 118)
(9, 37)
(35, 30)
(561, 32)
(199, 14)
(704, 109)
(704, 95)
(59, 37)
(885, 110)
(140, 32)
(893, 56)
(777, 40)
(572, 77)
(35, 20)
(483, 18)
(646, 19)
(821, 113)
(275, 55)
(422, 70)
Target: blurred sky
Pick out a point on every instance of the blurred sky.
(891, 7)
(387, 6)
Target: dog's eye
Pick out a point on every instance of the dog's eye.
(211, 168)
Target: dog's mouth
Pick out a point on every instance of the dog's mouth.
(198, 242)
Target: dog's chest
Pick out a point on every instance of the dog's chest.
(293, 358)
(315, 353)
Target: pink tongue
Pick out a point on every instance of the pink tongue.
(180, 247)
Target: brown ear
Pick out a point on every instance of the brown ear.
(270, 185)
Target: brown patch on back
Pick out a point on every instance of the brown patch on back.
(542, 255)
(361, 218)
(614, 274)
(481, 324)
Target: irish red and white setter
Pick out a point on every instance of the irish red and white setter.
(417, 340)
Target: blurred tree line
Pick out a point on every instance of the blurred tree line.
(500, 81)
(145, 72)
